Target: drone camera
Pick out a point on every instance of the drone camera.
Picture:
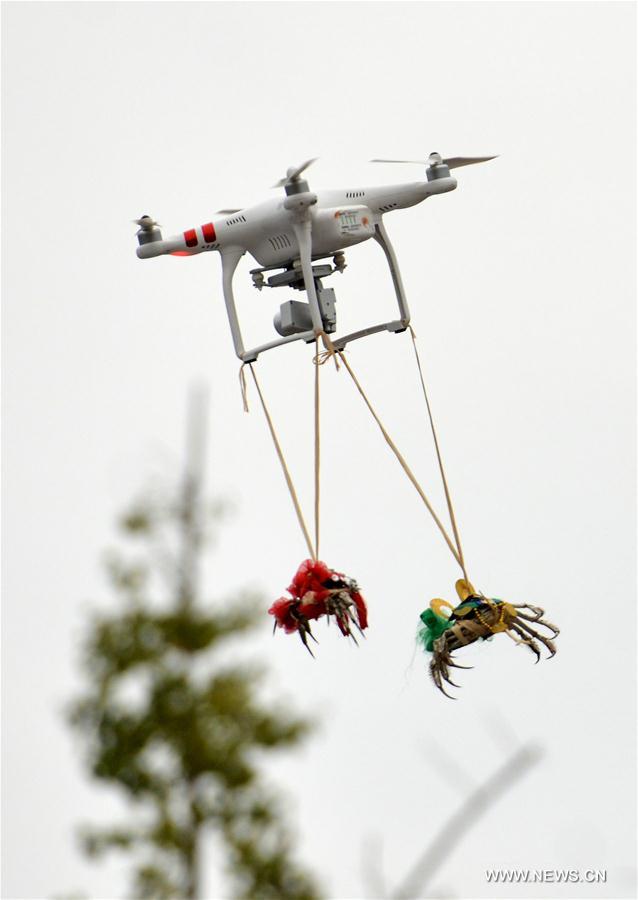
(293, 318)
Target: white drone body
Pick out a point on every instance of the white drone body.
(293, 232)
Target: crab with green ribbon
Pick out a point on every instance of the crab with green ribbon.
(476, 618)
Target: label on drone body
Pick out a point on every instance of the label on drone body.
(351, 220)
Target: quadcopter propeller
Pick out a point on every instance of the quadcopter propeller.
(146, 222)
(434, 159)
(293, 173)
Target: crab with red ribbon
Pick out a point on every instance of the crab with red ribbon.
(319, 591)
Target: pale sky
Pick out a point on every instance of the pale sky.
(522, 289)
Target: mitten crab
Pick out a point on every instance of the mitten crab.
(476, 618)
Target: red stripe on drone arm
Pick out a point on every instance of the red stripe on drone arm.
(209, 233)
(191, 238)
(181, 253)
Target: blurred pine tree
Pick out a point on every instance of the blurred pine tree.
(177, 730)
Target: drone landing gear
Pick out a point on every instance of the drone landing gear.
(399, 325)
(302, 320)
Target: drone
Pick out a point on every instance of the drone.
(298, 240)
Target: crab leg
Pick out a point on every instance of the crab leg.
(549, 625)
(446, 677)
(538, 612)
(444, 663)
(542, 622)
(304, 631)
(436, 677)
(440, 663)
(305, 643)
(537, 619)
(535, 634)
(533, 646)
(513, 636)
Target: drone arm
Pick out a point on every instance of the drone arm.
(230, 260)
(381, 236)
